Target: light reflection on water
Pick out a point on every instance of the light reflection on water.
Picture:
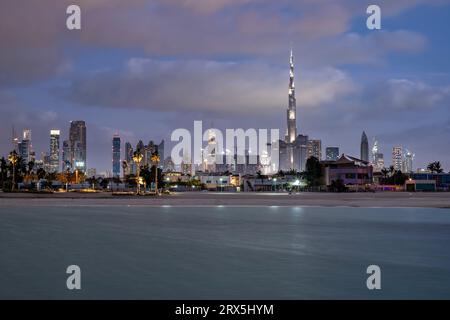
(221, 252)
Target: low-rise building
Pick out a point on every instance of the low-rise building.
(442, 180)
(350, 170)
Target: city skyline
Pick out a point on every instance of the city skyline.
(392, 84)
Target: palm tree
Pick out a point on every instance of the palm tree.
(385, 173)
(391, 170)
(155, 159)
(137, 158)
(435, 167)
(13, 159)
(3, 170)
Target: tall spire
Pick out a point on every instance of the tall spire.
(292, 107)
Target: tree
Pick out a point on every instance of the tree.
(3, 170)
(313, 171)
(14, 159)
(155, 159)
(435, 167)
(385, 173)
(41, 173)
(338, 186)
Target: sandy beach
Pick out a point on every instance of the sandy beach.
(381, 199)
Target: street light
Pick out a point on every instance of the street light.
(137, 158)
(155, 159)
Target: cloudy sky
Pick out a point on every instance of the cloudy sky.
(146, 67)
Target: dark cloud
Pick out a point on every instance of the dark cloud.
(232, 88)
(36, 44)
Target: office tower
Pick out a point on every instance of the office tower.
(332, 153)
(116, 156)
(408, 162)
(54, 150)
(66, 162)
(77, 145)
(129, 168)
(397, 158)
(315, 149)
(364, 147)
(377, 157)
(24, 147)
(300, 152)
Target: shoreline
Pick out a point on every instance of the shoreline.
(213, 199)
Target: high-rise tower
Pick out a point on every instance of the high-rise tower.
(292, 107)
(77, 144)
(397, 157)
(116, 156)
(364, 147)
(54, 150)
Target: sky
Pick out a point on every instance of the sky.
(145, 68)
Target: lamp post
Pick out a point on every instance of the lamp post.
(155, 159)
(137, 158)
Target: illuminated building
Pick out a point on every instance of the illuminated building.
(54, 150)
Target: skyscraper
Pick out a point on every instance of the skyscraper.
(408, 161)
(77, 145)
(25, 146)
(293, 151)
(130, 167)
(66, 162)
(292, 106)
(54, 150)
(377, 157)
(364, 147)
(397, 157)
(315, 149)
(332, 153)
(116, 156)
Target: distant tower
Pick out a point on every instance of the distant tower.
(332, 153)
(116, 156)
(292, 106)
(377, 157)
(25, 148)
(66, 162)
(77, 145)
(315, 149)
(408, 161)
(364, 147)
(54, 150)
(397, 158)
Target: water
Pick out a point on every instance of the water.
(224, 252)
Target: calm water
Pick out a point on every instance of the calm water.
(221, 253)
